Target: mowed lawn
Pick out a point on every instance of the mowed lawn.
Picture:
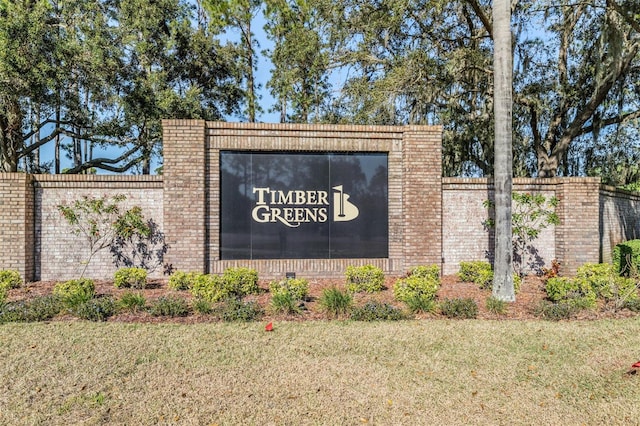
(430, 372)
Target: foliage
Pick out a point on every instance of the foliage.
(98, 309)
(496, 306)
(133, 302)
(3, 295)
(367, 278)
(10, 278)
(209, 287)
(180, 280)
(429, 272)
(576, 292)
(297, 287)
(40, 308)
(335, 302)
(235, 310)
(234, 282)
(73, 293)
(626, 257)
(202, 306)
(554, 311)
(130, 278)
(419, 289)
(241, 281)
(169, 306)
(481, 274)
(377, 311)
(99, 221)
(283, 302)
(465, 308)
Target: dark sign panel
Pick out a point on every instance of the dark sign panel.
(303, 205)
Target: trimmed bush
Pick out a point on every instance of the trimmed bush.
(576, 292)
(10, 278)
(477, 272)
(98, 309)
(297, 287)
(626, 257)
(554, 311)
(75, 292)
(376, 311)
(335, 302)
(41, 308)
(209, 287)
(234, 310)
(417, 291)
(284, 303)
(367, 278)
(233, 283)
(182, 280)
(202, 306)
(241, 281)
(428, 272)
(464, 308)
(130, 278)
(168, 306)
(133, 302)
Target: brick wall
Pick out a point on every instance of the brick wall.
(619, 214)
(16, 223)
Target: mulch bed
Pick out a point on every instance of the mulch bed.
(530, 296)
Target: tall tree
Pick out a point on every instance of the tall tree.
(503, 79)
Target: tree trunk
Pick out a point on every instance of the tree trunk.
(503, 160)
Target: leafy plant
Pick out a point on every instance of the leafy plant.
(419, 289)
(496, 306)
(180, 280)
(98, 309)
(234, 310)
(554, 311)
(4, 293)
(130, 278)
(626, 257)
(377, 311)
(431, 272)
(169, 306)
(100, 221)
(481, 274)
(284, 303)
(132, 301)
(209, 287)
(335, 302)
(577, 292)
(233, 283)
(74, 292)
(241, 281)
(297, 287)
(10, 278)
(367, 278)
(465, 308)
(41, 308)
(202, 306)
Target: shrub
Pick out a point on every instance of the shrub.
(626, 257)
(478, 272)
(432, 272)
(182, 280)
(465, 308)
(576, 292)
(202, 306)
(496, 306)
(284, 303)
(132, 301)
(209, 287)
(168, 306)
(297, 287)
(367, 278)
(130, 278)
(10, 278)
(335, 302)
(416, 287)
(75, 292)
(4, 293)
(376, 311)
(235, 310)
(554, 311)
(632, 305)
(241, 281)
(98, 309)
(41, 308)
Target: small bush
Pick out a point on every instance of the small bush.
(632, 305)
(367, 278)
(98, 309)
(182, 280)
(130, 278)
(241, 281)
(416, 287)
(235, 310)
(335, 302)
(41, 308)
(133, 302)
(376, 311)
(554, 311)
(626, 257)
(233, 283)
(202, 306)
(168, 306)
(74, 292)
(477, 272)
(284, 303)
(297, 287)
(4, 293)
(430, 272)
(464, 308)
(10, 278)
(209, 287)
(576, 292)
(496, 306)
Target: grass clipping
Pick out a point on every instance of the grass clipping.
(444, 372)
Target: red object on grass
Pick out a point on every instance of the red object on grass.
(636, 365)
(268, 327)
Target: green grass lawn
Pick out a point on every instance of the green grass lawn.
(325, 373)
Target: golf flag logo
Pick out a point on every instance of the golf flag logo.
(343, 209)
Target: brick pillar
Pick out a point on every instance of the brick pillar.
(422, 193)
(17, 224)
(578, 235)
(185, 198)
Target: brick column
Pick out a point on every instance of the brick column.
(185, 199)
(17, 224)
(422, 193)
(578, 235)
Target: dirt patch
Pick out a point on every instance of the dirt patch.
(530, 296)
